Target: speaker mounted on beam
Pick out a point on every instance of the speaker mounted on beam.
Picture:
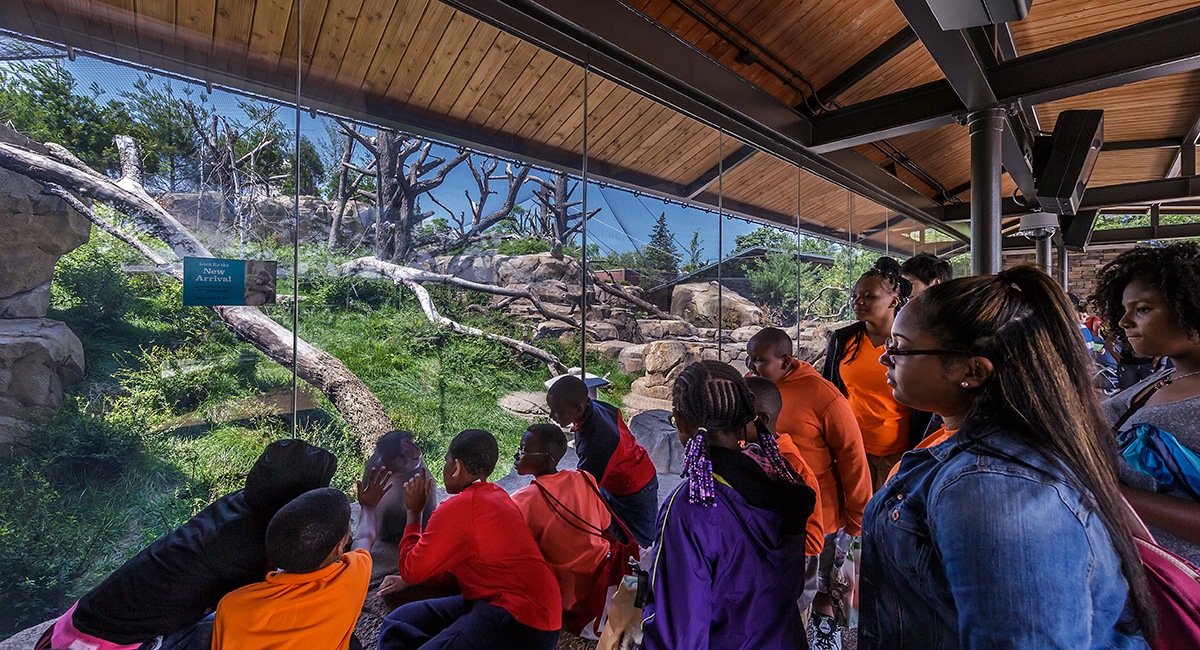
(1063, 162)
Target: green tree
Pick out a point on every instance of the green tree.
(661, 257)
(43, 101)
(312, 170)
(766, 237)
(166, 136)
(694, 253)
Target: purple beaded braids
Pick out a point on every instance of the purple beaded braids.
(715, 398)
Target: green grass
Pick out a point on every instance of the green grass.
(109, 475)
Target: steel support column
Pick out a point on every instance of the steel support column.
(987, 133)
(1064, 265)
(1042, 256)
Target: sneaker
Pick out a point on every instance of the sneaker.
(825, 633)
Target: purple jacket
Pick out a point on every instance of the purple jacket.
(728, 576)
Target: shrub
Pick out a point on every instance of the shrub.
(89, 282)
(523, 246)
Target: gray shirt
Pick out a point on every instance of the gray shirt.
(1182, 420)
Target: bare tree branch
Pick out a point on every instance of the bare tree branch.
(616, 290)
(362, 410)
(362, 139)
(397, 273)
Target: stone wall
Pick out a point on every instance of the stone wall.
(1082, 268)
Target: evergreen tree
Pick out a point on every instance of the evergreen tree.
(661, 257)
(694, 252)
(766, 237)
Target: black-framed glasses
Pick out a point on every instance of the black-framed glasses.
(889, 347)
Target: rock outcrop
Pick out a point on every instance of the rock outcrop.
(270, 217)
(38, 356)
(698, 305)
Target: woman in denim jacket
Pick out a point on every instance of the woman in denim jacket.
(1010, 533)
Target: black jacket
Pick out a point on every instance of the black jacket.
(176, 580)
(839, 341)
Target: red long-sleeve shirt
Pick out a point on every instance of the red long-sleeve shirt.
(480, 536)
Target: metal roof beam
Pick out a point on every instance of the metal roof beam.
(728, 164)
(1184, 163)
(965, 66)
(1135, 145)
(1147, 50)
(890, 49)
(1108, 196)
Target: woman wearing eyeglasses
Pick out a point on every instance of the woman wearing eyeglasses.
(852, 364)
(1010, 533)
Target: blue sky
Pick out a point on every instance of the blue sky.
(625, 219)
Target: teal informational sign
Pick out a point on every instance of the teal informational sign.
(211, 281)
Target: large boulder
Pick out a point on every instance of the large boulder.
(35, 230)
(698, 304)
(662, 329)
(38, 357)
(630, 360)
(664, 360)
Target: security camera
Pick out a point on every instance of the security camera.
(1038, 226)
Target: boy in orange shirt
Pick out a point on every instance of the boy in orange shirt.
(566, 516)
(817, 426)
(314, 597)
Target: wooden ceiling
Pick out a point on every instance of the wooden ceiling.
(429, 68)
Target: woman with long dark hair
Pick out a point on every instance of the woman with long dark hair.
(1011, 532)
(728, 559)
(852, 364)
(1152, 297)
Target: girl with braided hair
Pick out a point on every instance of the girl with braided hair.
(1151, 297)
(728, 561)
(852, 364)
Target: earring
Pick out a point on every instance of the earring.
(965, 385)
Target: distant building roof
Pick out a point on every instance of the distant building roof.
(746, 255)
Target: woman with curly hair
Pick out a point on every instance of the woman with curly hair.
(852, 364)
(1152, 297)
(728, 560)
(1011, 532)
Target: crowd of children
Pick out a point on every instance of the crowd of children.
(955, 428)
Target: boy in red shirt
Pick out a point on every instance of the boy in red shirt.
(566, 515)
(314, 597)
(509, 599)
(608, 451)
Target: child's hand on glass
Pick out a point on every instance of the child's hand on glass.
(378, 484)
(416, 491)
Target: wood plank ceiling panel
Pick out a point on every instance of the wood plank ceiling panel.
(270, 28)
(366, 36)
(445, 55)
(1115, 167)
(1155, 108)
(332, 42)
(1055, 22)
(502, 83)
(156, 17)
(541, 65)
(311, 17)
(481, 77)
(419, 53)
(476, 51)
(909, 69)
(389, 49)
(819, 38)
(554, 120)
(544, 99)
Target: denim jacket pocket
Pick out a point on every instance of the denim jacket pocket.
(910, 543)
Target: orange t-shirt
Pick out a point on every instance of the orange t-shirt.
(573, 554)
(932, 440)
(817, 425)
(882, 420)
(295, 610)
